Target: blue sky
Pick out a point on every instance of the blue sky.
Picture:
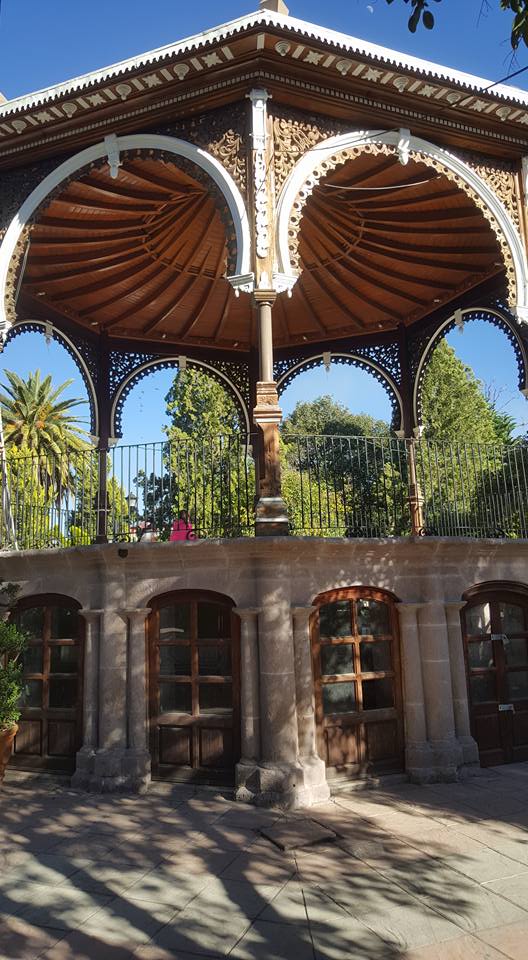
(45, 43)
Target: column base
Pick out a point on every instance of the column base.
(111, 771)
(419, 763)
(285, 785)
(447, 759)
(470, 751)
(271, 517)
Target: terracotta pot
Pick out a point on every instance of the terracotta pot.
(6, 748)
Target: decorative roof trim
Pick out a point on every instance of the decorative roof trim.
(350, 45)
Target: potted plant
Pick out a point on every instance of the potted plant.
(12, 644)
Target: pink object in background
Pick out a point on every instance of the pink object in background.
(182, 529)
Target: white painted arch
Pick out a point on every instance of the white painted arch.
(308, 164)
(143, 369)
(143, 141)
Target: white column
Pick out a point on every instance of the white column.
(418, 757)
(459, 683)
(249, 685)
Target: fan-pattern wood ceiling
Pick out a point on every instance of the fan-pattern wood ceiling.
(383, 244)
(145, 255)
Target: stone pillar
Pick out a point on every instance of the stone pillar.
(247, 767)
(271, 517)
(436, 670)
(108, 773)
(85, 756)
(418, 756)
(304, 692)
(136, 764)
(470, 751)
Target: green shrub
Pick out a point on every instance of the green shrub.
(12, 644)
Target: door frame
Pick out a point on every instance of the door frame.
(200, 774)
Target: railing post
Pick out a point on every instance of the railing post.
(416, 499)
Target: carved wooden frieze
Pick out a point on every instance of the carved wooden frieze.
(294, 134)
(499, 175)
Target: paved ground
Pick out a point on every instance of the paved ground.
(416, 873)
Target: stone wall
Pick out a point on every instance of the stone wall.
(273, 584)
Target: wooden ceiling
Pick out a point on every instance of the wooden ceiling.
(145, 256)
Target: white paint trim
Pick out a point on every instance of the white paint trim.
(351, 355)
(80, 360)
(437, 336)
(162, 56)
(176, 361)
(143, 141)
(306, 166)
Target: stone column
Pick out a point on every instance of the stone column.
(108, 772)
(85, 756)
(304, 691)
(470, 751)
(136, 764)
(436, 669)
(247, 774)
(418, 756)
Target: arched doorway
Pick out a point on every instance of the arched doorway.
(358, 700)
(194, 687)
(495, 629)
(50, 725)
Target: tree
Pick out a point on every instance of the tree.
(420, 11)
(325, 416)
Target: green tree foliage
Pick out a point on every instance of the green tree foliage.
(207, 471)
(454, 406)
(421, 12)
(13, 642)
(325, 416)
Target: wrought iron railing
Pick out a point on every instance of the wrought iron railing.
(333, 486)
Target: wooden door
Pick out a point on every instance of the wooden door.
(495, 627)
(50, 726)
(357, 683)
(194, 688)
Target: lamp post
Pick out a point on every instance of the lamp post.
(132, 504)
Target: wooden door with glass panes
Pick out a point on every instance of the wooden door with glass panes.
(357, 682)
(50, 725)
(495, 627)
(194, 688)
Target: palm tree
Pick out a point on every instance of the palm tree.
(37, 423)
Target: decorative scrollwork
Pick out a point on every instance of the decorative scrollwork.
(423, 347)
(382, 362)
(294, 134)
(77, 347)
(128, 369)
(500, 178)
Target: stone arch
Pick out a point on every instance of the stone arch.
(335, 151)
(38, 326)
(497, 317)
(14, 241)
(355, 360)
(168, 363)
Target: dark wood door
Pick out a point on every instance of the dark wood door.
(357, 683)
(50, 726)
(194, 688)
(495, 627)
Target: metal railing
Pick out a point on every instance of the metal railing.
(345, 486)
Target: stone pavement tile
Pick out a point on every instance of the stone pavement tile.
(151, 951)
(514, 888)
(14, 899)
(413, 925)
(104, 878)
(20, 940)
(351, 941)
(258, 866)
(324, 865)
(223, 837)
(202, 933)
(42, 868)
(61, 909)
(219, 897)
(79, 945)
(465, 948)
(172, 887)
(294, 833)
(276, 941)
(511, 940)
(294, 901)
(475, 908)
(483, 866)
(128, 922)
(253, 817)
(199, 860)
(83, 847)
